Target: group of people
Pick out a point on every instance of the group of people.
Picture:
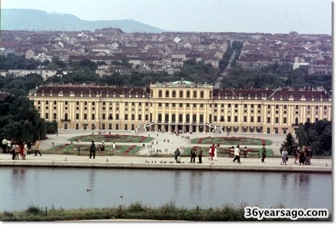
(20, 148)
(304, 155)
(213, 154)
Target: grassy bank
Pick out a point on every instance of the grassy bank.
(136, 211)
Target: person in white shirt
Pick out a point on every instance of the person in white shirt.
(113, 148)
(236, 154)
(4, 145)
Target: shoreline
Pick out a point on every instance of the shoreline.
(166, 163)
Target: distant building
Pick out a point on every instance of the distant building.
(181, 105)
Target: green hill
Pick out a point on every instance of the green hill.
(29, 19)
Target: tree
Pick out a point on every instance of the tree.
(302, 136)
(318, 135)
(289, 144)
(20, 120)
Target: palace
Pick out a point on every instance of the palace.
(180, 105)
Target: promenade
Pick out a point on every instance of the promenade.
(146, 161)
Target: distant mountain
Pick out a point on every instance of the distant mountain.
(30, 19)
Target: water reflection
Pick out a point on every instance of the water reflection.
(43, 187)
(177, 182)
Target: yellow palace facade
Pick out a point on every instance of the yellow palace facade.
(180, 106)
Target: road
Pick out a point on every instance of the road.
(224, 72)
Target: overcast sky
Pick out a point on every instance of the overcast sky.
(267, 16)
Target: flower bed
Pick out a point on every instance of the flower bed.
(231, 141)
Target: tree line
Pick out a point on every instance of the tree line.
(318, 135)
(274, 76)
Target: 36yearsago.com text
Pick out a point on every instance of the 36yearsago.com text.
(281, 213)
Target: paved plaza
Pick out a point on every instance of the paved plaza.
(145, 161)
(160, 139)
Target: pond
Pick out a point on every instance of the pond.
(83, 188)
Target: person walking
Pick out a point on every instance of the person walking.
(177, 154)
(263, 152)
(302, 157)
(29, 146)
(4, 145)
(93, 149)
(12, 149)
(17, 151)
(212, 152)
(25, 150)
(284, 155)
(215, 152)
(200, 155)
(236, 154)
(297, 154)
(21, 144)
(37, 147)
(113, 148)
(309, 154)
(102, 148)
(193, 155)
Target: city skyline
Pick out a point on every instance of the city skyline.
(276, 16)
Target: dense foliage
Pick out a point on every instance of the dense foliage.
(137, 211)
(274, 76)
(20, 86)
(20, 120)
(317, 135)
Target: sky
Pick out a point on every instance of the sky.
(265, 16)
